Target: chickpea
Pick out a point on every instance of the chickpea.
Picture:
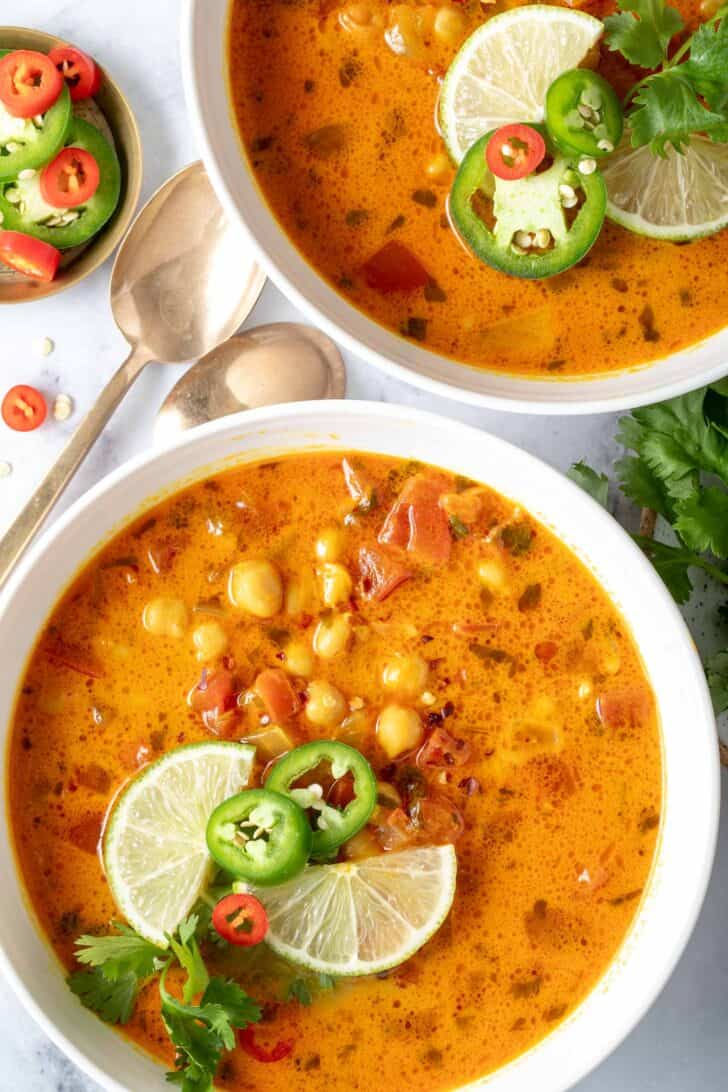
(406, 675)
(449, 26)
(210, 641)
(356, 17)
(439, 169)
(299, 597)
(399, 730)
(166, 618)
(330, 544)
(256, 587)
(336, 584)
(299, 659)
(492, 575)
(325, 706)
(332, 635)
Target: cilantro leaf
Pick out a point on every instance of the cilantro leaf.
(702, 521)
(298, 990)
(668, 110)
(202, 1032)
(642, 486)
(708, 63)
(120, 954)
(596, 485)
(677, 441)
(716, 671)
(642, 31)
(112, 999)
(188, 953)
(672, 564)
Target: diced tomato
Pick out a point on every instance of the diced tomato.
(274, 689)
(29, 83)
(625, 708)
(416, 521)
(379, 575)
(437, 821)
(248, 1042)
(240, 920)
(73, 657)
(80, 71)
(359, 484)
(394, 268)
(442, 749)
(341, 792)
(29, 256)
(86, 834)
(214, 693)
(24, 409)
(70, 179)
(161, 555)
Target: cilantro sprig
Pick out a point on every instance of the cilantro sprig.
(122, 962)
(688, 93)
(676, 463)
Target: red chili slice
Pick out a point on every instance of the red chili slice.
(515, 151)
(70, 179)
(394, 268)
(29, 83)
(30, 256)
(240, 920)
(80, 71)
(24, 409)
(246, 1038)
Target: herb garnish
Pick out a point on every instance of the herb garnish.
(689, 92)
(201, 1032)
(596, 485)
(678, 467)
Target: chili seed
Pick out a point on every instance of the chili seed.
(587, 166)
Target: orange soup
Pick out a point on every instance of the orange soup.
(336, 103)
(449, 638)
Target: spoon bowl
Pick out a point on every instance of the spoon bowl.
(280, 362)
(180, 283)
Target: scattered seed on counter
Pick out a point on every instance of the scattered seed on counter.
(6, 469)
(44, 346)
(62, 407)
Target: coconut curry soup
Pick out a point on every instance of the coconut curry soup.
(487, 179)
(335, 762)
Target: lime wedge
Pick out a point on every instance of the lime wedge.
(155, 850)
(502, 72)
(361, 917)
(678, 197)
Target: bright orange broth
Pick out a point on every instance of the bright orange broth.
(560, 797)
(296, 70)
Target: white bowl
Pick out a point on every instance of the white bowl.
(204, 68)
(691, 796)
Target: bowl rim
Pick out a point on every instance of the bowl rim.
(378, 346)
(129, 149)
(320, 419)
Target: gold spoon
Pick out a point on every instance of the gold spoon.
(181, 284)
(281, 362)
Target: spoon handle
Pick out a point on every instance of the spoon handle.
(18, 537)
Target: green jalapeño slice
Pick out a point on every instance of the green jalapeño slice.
(531, 227)
(259, 836)
(583, 114)
(332, 826)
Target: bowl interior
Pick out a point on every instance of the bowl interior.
(685, 852)
(118, 113)
(204, 56)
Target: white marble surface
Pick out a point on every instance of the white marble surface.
(683, 1042)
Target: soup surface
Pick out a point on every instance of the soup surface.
(339, 129)
(537, 753)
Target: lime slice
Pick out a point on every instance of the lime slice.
(155, 851)
(678, 197)
(361, 917)
(502, 72)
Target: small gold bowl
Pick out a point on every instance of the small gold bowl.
(118, 113)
